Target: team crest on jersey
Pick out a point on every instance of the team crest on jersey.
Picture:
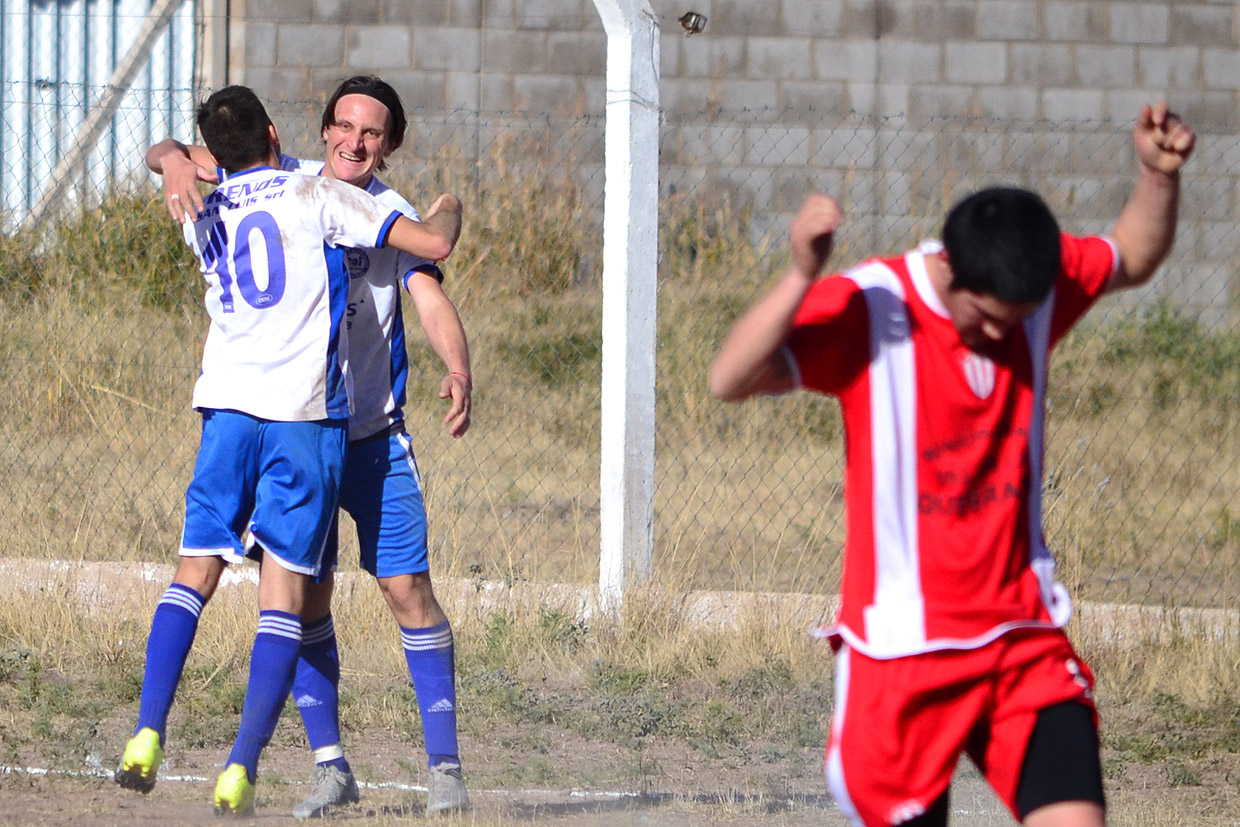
(979, 372)
(357, 261)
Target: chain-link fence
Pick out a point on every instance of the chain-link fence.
(104, 328)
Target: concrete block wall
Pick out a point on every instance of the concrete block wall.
(876, 97)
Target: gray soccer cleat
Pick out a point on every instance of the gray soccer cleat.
(445, 789)
(331, 788)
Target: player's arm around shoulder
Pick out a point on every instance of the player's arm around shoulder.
(752, 359)
(442, 324)
(1145, 230)
(182, 167)
(435, 236)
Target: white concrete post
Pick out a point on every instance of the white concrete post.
(630, 258)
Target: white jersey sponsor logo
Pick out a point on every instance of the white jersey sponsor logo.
(358, 262)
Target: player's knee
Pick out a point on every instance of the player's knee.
(412, 600)
(202, 574)
(408, 588)
(1067, 814)
(318, 602)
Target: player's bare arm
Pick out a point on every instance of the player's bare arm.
(751, 360)
(435, 236)
(1145, 230)
(182, 167)
(442, 325)
(445, 215)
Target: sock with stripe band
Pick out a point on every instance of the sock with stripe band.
(316, 691)
(430, 656)
(273, 663)
(173, 629)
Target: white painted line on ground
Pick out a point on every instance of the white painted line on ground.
(548, 795)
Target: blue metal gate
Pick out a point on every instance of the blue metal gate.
(86, 86)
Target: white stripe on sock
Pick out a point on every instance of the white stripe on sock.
(289, 627)
(182, 600)
(422, 642)
(320, 633)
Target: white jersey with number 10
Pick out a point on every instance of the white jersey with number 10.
(270, 244)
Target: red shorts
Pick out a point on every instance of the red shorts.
(900, 725)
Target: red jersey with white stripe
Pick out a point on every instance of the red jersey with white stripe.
(944, 444)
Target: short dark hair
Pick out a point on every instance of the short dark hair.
(380, 90)
(1003, 242)
(234, 123)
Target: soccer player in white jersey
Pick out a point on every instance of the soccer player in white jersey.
(949, 635)
(274, 397)
(363, 123)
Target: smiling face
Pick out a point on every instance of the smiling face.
(357, 142)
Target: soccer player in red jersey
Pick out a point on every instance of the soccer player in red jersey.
(949, 635)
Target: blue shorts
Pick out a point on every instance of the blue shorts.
(382, 492)
(277, 480)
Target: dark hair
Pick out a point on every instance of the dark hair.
(380, 90)
(1003, 242)
(233, 123)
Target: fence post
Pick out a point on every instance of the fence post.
(630, 258)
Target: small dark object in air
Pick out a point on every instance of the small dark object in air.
(692, 22)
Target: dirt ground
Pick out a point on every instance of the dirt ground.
(585, 783)
(522, 774)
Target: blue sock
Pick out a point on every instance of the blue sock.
(315, 691)
(340, 763)
(429, 654)
(272, 665)
(172, 634)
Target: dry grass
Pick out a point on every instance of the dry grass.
(1140, 484)
(102, 345)
(736, 698)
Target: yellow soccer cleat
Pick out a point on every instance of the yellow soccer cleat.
(234, 793)
(141, 761)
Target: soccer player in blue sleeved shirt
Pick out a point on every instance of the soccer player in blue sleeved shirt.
(274, 397)
(363, 123)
